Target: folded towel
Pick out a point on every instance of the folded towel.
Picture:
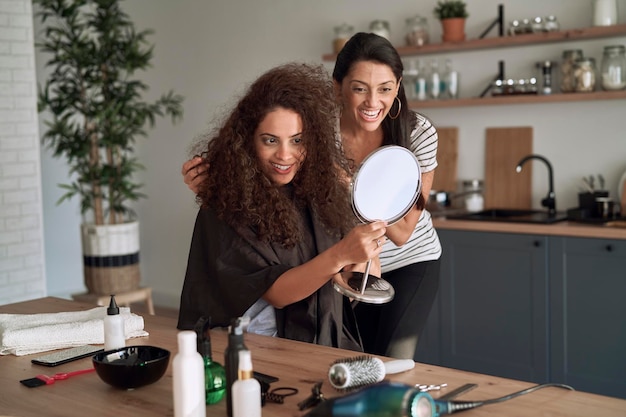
(24, 334)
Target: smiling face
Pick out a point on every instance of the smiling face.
(278, 144)
(367, 93)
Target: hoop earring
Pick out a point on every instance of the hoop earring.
(399, 109)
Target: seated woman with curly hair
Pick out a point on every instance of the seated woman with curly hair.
(275, 222)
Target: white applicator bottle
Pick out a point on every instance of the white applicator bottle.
(114, 337)
(246, 391)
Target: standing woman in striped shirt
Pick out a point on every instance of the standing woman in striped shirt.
(375, 112)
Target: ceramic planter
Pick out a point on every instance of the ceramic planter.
(453, 29)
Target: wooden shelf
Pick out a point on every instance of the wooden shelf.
(594, 32)
(518, 99)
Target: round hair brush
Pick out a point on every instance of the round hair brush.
(350, 373)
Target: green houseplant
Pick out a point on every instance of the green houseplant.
(452, 14)
(96, 112)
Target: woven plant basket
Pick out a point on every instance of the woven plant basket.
(111, 258)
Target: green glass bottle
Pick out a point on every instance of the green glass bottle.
(214, 372)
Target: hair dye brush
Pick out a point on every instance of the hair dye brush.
(350, 373)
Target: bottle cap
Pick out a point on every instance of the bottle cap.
(113, 309)
(245, 360)
(203, 334)
(187, 341)
(238, 325)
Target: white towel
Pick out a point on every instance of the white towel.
(24, 334)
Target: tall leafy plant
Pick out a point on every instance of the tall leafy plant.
(96, 104)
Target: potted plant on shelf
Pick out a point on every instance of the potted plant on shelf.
(95, 113)
(452, 14)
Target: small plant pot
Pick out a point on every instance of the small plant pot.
(453, 29)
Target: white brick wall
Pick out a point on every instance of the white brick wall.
(22, 272)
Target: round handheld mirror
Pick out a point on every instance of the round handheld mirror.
(385, 187)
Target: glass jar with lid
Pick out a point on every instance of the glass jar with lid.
(473, 191)
(537, 25)
(613, 68)
(567, 69)
(550, 24)
(585, 75)
(497, 88)
(380, 28)
(343, 32)
(526, 27)
(416, 31)
(514, 28)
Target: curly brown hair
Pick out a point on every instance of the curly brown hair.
(236, 187)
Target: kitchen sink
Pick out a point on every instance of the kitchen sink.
(512, 215)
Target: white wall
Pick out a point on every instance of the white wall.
(22, 270)
(209, 50)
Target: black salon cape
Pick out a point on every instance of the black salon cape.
(228, 271)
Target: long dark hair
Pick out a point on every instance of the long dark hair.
(236, 187)
(371, 47)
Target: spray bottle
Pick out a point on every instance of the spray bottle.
(214, 373)
(231, 358)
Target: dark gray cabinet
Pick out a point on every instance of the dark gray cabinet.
(588, 314)
(531, 307)
(491, 310)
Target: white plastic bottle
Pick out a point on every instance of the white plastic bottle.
(114, 337)
(246, 391)
(421, 85)
(434, 87)
(188, 378)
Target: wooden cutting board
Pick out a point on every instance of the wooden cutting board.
(447, 157)
(623, 201)
(504, 148)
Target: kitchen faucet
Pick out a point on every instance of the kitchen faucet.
(549, 201)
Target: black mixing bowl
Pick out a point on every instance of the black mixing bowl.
(131, 366)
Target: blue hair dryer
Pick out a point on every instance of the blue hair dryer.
(388, 399)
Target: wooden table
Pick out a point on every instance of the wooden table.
(297, 364)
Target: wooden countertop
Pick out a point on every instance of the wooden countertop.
(567, 229)
(297, 364)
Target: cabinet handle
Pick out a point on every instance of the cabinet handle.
(609, 248)
(536, 243)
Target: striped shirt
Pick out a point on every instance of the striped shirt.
(423, 245)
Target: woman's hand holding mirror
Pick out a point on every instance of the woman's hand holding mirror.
(385, 187)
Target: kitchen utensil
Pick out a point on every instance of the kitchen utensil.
(504, 187)
(601, 181)
(385, 187)
(587, 186)
(591, 182)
